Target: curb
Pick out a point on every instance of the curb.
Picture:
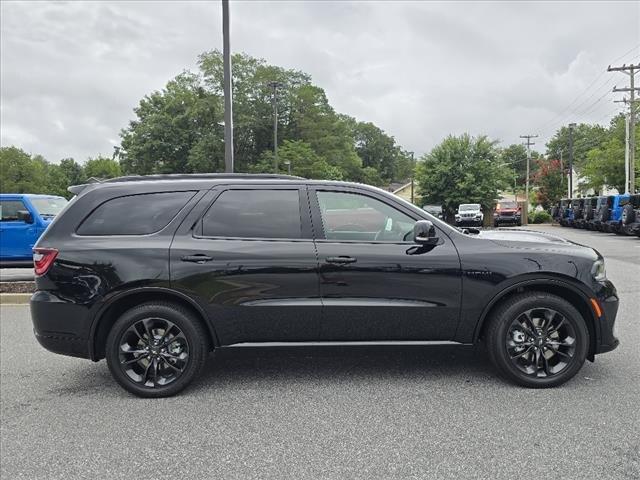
(14, 298)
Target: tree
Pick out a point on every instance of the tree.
(102, 167)
(515, 158)
(459, 170)
(585, 137)
(73, 171)
(303, 160)
(20, 173)
(550, 180)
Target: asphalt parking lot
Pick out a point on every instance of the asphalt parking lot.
(331, 412)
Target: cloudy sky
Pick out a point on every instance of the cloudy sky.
(72, 72)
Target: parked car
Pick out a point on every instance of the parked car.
(556, 212)
(566, 212)
(578, 207)
(435, 210)
(200, 262)
(614, 221)
(590, 208)
(631, 216)
(603, 211)
(469, 214)
(23, 218)
(507, 212)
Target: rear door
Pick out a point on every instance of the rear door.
(16, 236)
(246, 253)
(376, 284)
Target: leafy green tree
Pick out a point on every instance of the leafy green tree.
(303, 160)
(73, 171)
(585, 137)
(20, 173)
(514, 157)
(605, 163)
(461, 169)
(102, 167)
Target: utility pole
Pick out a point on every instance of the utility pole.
(571, 127)
(274, 101)
(630, 70)
(528, 143)
(228, 98)
(413, 168)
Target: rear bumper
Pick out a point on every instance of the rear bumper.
(60, 326)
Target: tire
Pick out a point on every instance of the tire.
(501, 333)
(130, 333)
(628, 214)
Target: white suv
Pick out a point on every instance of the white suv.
(469, 214)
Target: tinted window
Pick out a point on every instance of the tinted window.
(351, 216)
(254, 214)
(9, 209)
(134, 214)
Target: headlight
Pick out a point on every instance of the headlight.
(598, 271)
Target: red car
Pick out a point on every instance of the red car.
(507, 212)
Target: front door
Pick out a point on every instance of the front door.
(16, 236)
(376, 284)
(249, 257)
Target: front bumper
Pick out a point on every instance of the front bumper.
(60, 326)
(608, 300)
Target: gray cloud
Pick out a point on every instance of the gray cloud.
(72, 72)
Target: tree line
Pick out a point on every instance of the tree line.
(179, 129)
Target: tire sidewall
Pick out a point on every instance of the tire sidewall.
(184, 321)
(501, 356)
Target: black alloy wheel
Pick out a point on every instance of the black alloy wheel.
(156, 349)
(537, 339)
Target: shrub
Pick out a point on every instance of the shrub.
(540, 217)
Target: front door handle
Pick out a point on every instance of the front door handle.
(342, 260)
(198, 258)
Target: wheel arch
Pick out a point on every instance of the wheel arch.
(563, 289)
(116, 306)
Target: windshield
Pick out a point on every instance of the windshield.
(470, 207)
(505, 205)
(49, 206)
(432, 208)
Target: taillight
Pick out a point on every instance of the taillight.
(43, 259)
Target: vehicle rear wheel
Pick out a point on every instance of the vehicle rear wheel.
(537, 340)
(156, 349)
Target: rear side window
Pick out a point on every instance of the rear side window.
(135, 214)
(254, 214)
(9, 210)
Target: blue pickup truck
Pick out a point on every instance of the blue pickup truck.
(23, 218)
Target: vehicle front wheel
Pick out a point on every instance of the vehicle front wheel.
(537, 340)
(156, 349)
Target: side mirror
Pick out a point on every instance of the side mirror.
(424, 233)
(25, 216)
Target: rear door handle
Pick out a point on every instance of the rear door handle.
(342, 260)
(199, 258)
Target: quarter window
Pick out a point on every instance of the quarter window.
(135, 214)
(254, 214)
(351, 216)
(9, 210)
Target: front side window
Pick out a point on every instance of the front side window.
(351, 216)
(135, 214)
(271, 214)
(9, 210)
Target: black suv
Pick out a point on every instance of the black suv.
(154, 272)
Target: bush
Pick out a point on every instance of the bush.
(540, 217)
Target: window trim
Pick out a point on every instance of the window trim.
(306, 233)
(317, 214)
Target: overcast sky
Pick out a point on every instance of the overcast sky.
(72, 72)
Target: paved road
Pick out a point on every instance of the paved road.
(409, 412)
(16, 274)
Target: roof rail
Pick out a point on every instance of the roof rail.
(77, 189)
(199, 176)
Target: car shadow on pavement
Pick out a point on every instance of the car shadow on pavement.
(338, 363)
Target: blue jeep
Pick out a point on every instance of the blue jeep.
(23, 218)
(566, 212)
(614, 222)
